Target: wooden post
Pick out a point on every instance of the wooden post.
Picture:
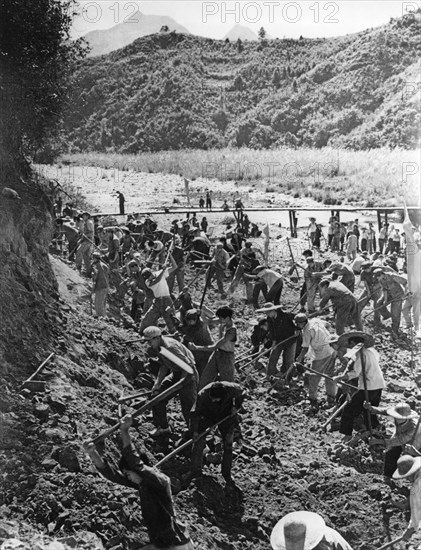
(379, 219)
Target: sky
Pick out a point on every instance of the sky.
(213, 19)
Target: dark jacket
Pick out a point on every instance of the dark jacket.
(214, 411)
(282, 326)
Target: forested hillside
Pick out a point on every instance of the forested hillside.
(174, 91)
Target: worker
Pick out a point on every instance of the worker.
(162, 304)
(344, 303)
(169, 373)
(407, 431)
(165, 531)
(371, 377)
(101, 284)
(281, 327)
(409, 467)
(195, 331)
(221, 362)
(316, 343)
(269, 282)
(216, 402)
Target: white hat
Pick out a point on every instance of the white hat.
(298, 531)
(151, 332)
(402, 411)
(407, 465)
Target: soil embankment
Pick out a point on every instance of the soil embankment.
(286, 463)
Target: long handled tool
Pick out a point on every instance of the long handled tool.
(133, 396)
(265, 350)
(391, 543)
(364, 373)
(385, 305)
(354, 388)
(190, 441)
(31, 382)
(172, 389)
(207, 282)
(292, 258)
(336, 413)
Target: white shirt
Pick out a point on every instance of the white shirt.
(316, 337)
(269, 277)
(335, 540)
(160, 289)
(415, 501)
(375, 380)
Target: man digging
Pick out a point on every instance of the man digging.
(182, 367)
(364, 366)
(165, 531)
(216, 402)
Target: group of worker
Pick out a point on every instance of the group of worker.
(188, 362)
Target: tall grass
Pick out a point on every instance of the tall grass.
(379, 177)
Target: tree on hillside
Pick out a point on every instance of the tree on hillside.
(276, 78)
(240, 46)
(221, 120)
(36, 58)
(239, 84)
(164, 28)
(262, 34)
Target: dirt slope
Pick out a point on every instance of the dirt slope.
(286, 463)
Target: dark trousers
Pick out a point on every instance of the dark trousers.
(391, 458)
(187, 395)
(226, 430)
(355, 407)
(303, 294)
(274, 294)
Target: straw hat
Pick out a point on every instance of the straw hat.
(269, 306)
(298, 531)
(151, 332)
(402, 411)
(407, 465)
(343, 340)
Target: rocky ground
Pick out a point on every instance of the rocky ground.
(52, 498)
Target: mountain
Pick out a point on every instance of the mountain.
(242, 33)
(137, 25)
(173, 91)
